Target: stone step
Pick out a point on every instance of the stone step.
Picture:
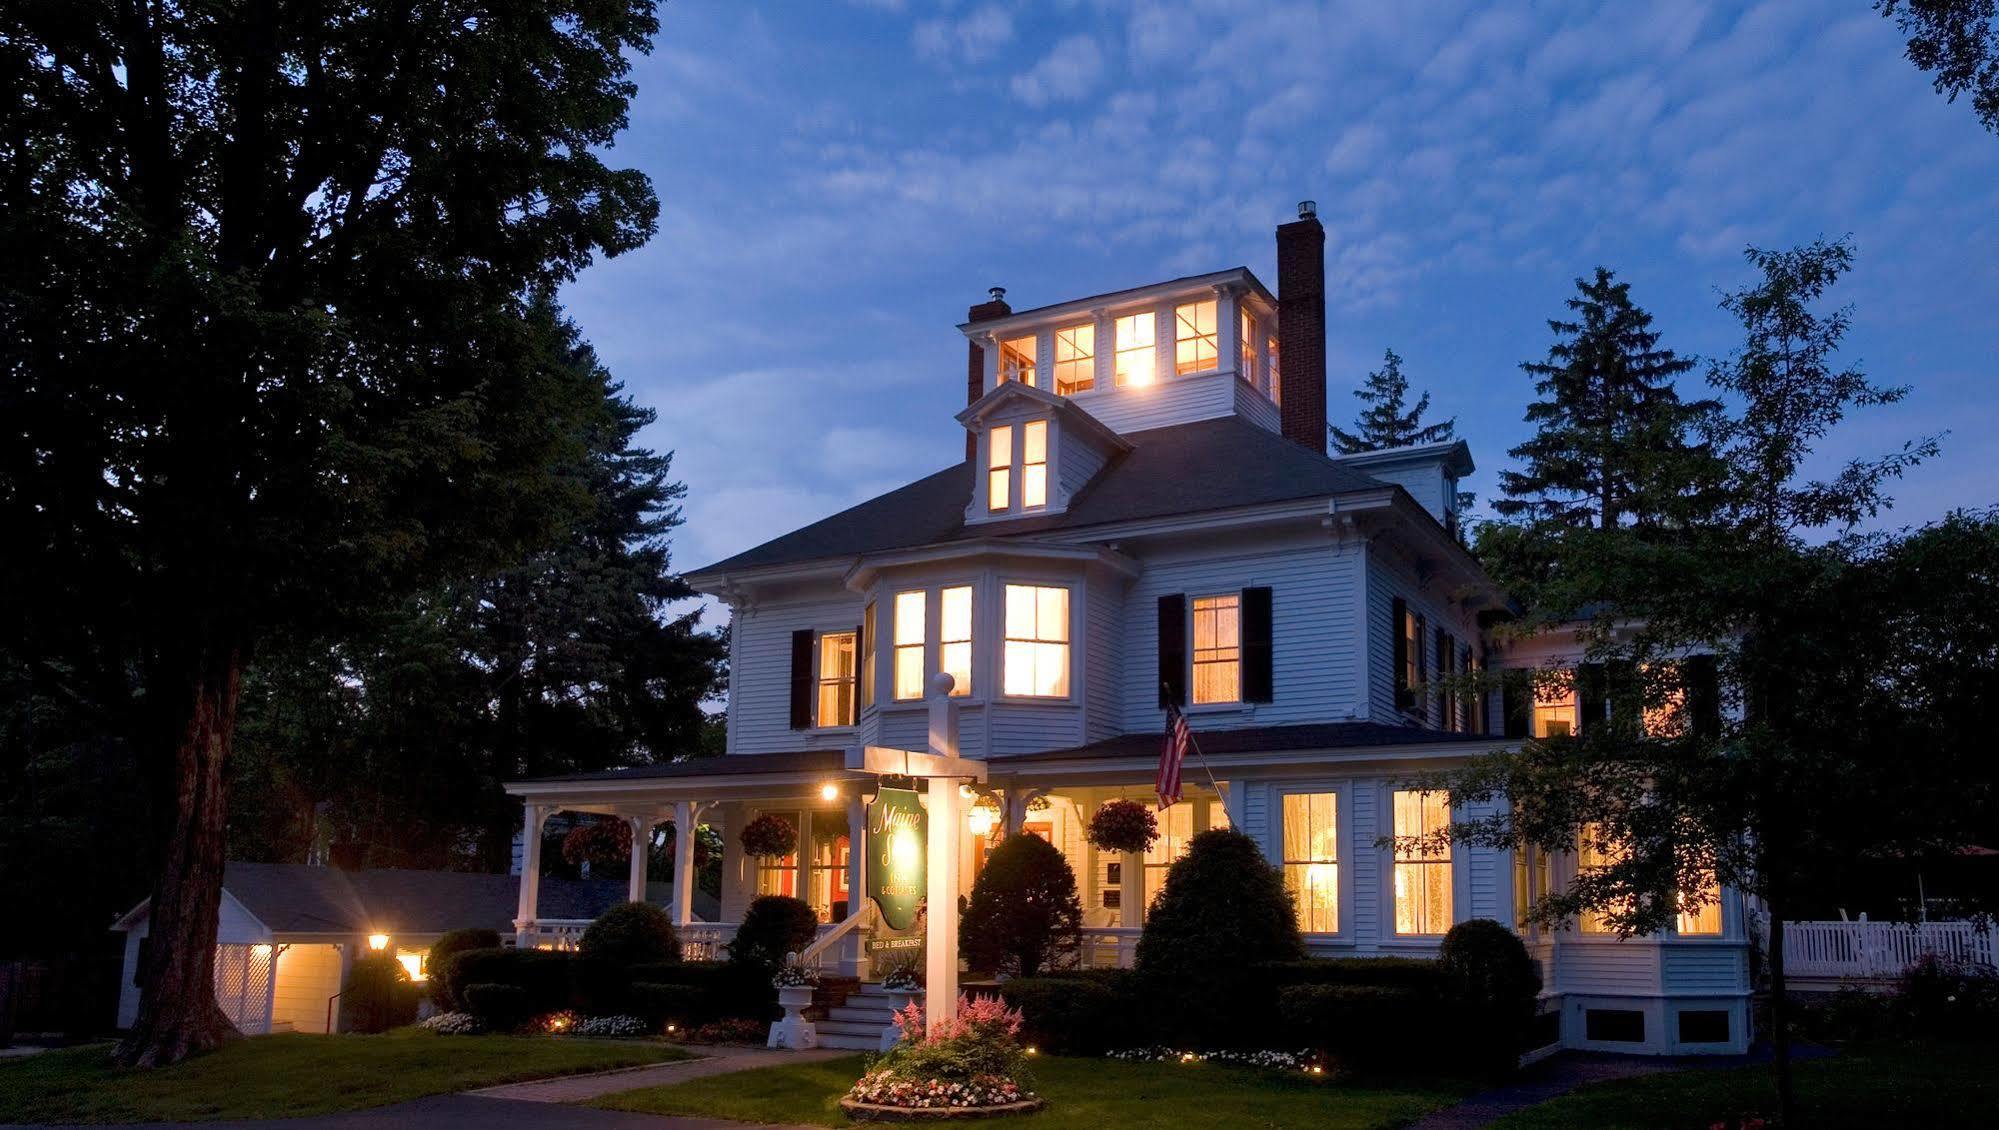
(849, 1043)
(879, 1017)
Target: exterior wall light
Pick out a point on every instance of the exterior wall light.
(378, 942)
(829, 791)
(981, 821)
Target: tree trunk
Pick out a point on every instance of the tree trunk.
(178, 1015)
(1780, 1029)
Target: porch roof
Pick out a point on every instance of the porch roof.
(1257, 739)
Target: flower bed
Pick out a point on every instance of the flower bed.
(454, 1024)
(971, 1067)
(1268, 1060)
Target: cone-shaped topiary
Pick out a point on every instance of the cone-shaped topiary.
(1024, 916)
(1223, 913)
(631, 933)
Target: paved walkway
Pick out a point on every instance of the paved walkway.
(1567, 1071)
(462, 1112)
(713, 1061)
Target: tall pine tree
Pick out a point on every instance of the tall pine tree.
(1613, 441)
(1384, 423)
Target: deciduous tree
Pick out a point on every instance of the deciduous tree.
(1387, 420)
(1958, 41)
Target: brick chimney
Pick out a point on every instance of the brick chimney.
(975, 362)
(1301, 326)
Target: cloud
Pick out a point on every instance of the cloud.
(975, 38)
(1069, 70)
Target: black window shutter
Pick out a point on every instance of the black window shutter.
(1592, 706)
(1421, 636)
(1399, 628)
(1624, 697)
(801, 679)
(860, 659)
(1703, 683)
(1258, 679)
(1173, 650)
(1518, 692)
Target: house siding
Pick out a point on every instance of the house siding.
(1170, 400)
(1387, 578)
(760, 672)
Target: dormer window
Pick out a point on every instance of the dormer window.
(1136, 354)
(1016, 362)
(1034, 464)
(1075, 359)
(999, 468)
(1194, 339)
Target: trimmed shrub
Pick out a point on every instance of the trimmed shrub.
(443, 951)
(632, 933)
(723, 990)
(1222, 912)
(656, 1003)
(501, 1008)
(1024, 916)
(1361, 1025)
(1075, 1015)
(1950, 1000)
(547, 977)
(378, 995)
(1491, 984)
(773, 926)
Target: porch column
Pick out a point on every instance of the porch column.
(530, 888)
(683, 862)
(1131, 888)
(635, 890)
(940, 942)
(857, 879)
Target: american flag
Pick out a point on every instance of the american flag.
(1178, 737)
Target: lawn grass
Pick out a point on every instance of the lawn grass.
(1095, 1094)
(281, 1076)
(1929, 1084)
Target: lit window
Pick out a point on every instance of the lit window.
(1275, 380)
(1034, 464)
(999, 468)
(779, 875)
(1667, 717)
(1247, 369)
(869, 645)
(1194, 342)
(1218, 648)
(1705, 919)
(909, 609)
(1135, 352)
(954, 637)
(1036, 657)
(1017, 360)
(1312, 859)
(1422, 872)
(412, 962)
(1555, 711)
(1076, 359)
(1593, 855)
(836, 679)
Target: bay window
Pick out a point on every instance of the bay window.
(1136, 354)
(1194, 337)
(1016, 360)
(1034, 464)
(954, 637)
(1422, 870)
(1703, 920)
(910, 608)
(1593, 854)
(1076, 359)
(1312, 859)
(1218, 648)
(1246, 367)
(999, 468)
(836, 679)
(1035, 656)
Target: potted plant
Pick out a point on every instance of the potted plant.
(795, 986)
(769, 836)
(1123, 826)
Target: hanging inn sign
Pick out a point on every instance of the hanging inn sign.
(898, 850)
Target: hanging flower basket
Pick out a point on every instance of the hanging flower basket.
(769, 837)
(1123, 825)
(600, 842)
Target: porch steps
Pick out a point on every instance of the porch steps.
(858, 1021)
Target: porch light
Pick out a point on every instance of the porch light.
(965, 792)
(981, 821)
(378, 941)
(829, 791)
(261, 949)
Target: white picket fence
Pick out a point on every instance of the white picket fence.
(1880, 950)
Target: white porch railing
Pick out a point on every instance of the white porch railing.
(841, 941)
(1110, 947)
(1880, 949)
(699, 941)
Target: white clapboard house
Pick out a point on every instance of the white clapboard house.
(1146, 512)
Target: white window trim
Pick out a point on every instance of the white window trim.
(893, 698)
(1348, 861)
(1222, 706)
(1460, 876)
(1056, 499)
(998, 651)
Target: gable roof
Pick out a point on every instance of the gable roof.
(297, 898)
(1241, 465)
